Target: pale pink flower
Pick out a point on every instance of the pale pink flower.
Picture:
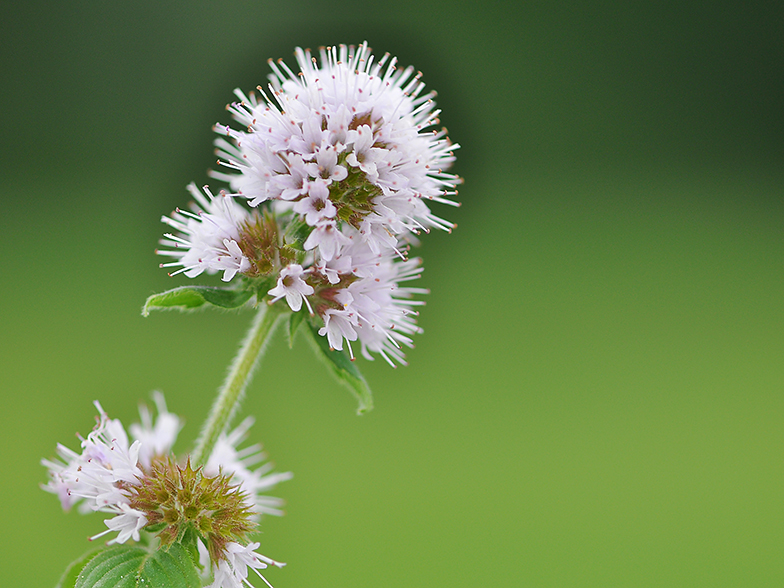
(293, 287)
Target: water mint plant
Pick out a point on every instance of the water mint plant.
(327, 182)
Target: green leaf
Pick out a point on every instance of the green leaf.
(295, 320)
(173, 568)
(126, 566)
(192, 297)
(343, 369)
(68, 579)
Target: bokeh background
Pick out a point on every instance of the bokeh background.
(598, 396)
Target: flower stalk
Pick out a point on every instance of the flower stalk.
(230, 394)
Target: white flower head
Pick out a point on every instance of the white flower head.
(232, 571)
(207, 236)
(336, 266)
(339, 324)
(142, 485)
(328, 238)
(338, 163)
(293, 287)
(317, 205)
(346, 132)
(99, 478)
(385, 309)
(127, 523)
(373, 307)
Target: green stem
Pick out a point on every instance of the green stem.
(240, 373)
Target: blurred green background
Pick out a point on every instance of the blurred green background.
(598, 396)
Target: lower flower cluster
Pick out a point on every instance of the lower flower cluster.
(146, 488)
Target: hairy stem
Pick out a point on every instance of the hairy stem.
(240, 373)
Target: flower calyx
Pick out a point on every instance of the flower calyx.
(179, 500)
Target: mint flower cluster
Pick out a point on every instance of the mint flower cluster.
(330, 178)
(143, 486)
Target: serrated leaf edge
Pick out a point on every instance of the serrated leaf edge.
(105, 566)
(81, 563)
